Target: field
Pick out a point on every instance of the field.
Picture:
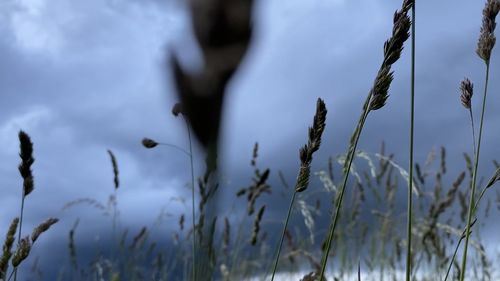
(355, 215)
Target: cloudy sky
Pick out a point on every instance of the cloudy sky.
(81, 77)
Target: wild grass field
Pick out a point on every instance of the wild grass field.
(344, 221)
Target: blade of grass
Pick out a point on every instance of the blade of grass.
(485, 46)
(474, 176)
(412, 123)
(192, 198)
(375, 100)
(306, 153)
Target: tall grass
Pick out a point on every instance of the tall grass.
(375, 100)
(367, 218)
(485, 46)
(410, 166)
(306, 153)
(25, 244)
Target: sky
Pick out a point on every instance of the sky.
(81, 77)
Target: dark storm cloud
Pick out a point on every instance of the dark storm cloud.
(80, 84)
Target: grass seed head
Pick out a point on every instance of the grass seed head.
(22, 252)
(487, 37)
(494, 179)
(467, 89)
(149, 143)
(42, 228)
(26, 154)
(256, 225)
(380, 91)
(7, 248)
(115, 169)
(393, 48)
(313, 144)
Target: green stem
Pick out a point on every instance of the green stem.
(473, 132)
(412, 117)
(283, 235)
(20, 231)
(453, 257)
(463, 235)
(474, 176)
(113, 228)
(178, 147)
(349, 159)
(192, 198)
(12, 273)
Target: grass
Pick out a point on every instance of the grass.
(363, 238)
(412, 131)
(486, 43)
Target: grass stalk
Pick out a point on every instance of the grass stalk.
(149, 143)
(280, 245)
(412, 123)
(26, 154)
(13, 273)
(375, 100)
(349, 159)
(453, 258)
(473, 131)
(306, 153)
(21, 213)
(472, 208)
(192, 198)
(178, 147)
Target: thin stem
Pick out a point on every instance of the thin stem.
(19, 233)
(473, 131)
(474, 175)
(283, 235)
(190, 154)
(463, 235)
(178, 147)
(12, 273)
(238, 246)
(412, 118)
(453, 257)
(349, 159)
(359, 270)
(113, 230)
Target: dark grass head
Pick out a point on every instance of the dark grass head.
(393, 48)
(149, 143)
(22, 252)
(467, 90)
(487, 37)
(41, 228)
(7, 248)
(313, 144)
(26, 154)
(494, 178)
(256, 225)
(115, 169)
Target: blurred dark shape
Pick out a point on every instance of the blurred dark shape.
(177, 109)
(223, 30)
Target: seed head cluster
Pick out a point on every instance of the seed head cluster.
(487, 37)
(392, 52)
(306, 152)
(149, 143)
(467, 89)
(26, 154)
(7, 248)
